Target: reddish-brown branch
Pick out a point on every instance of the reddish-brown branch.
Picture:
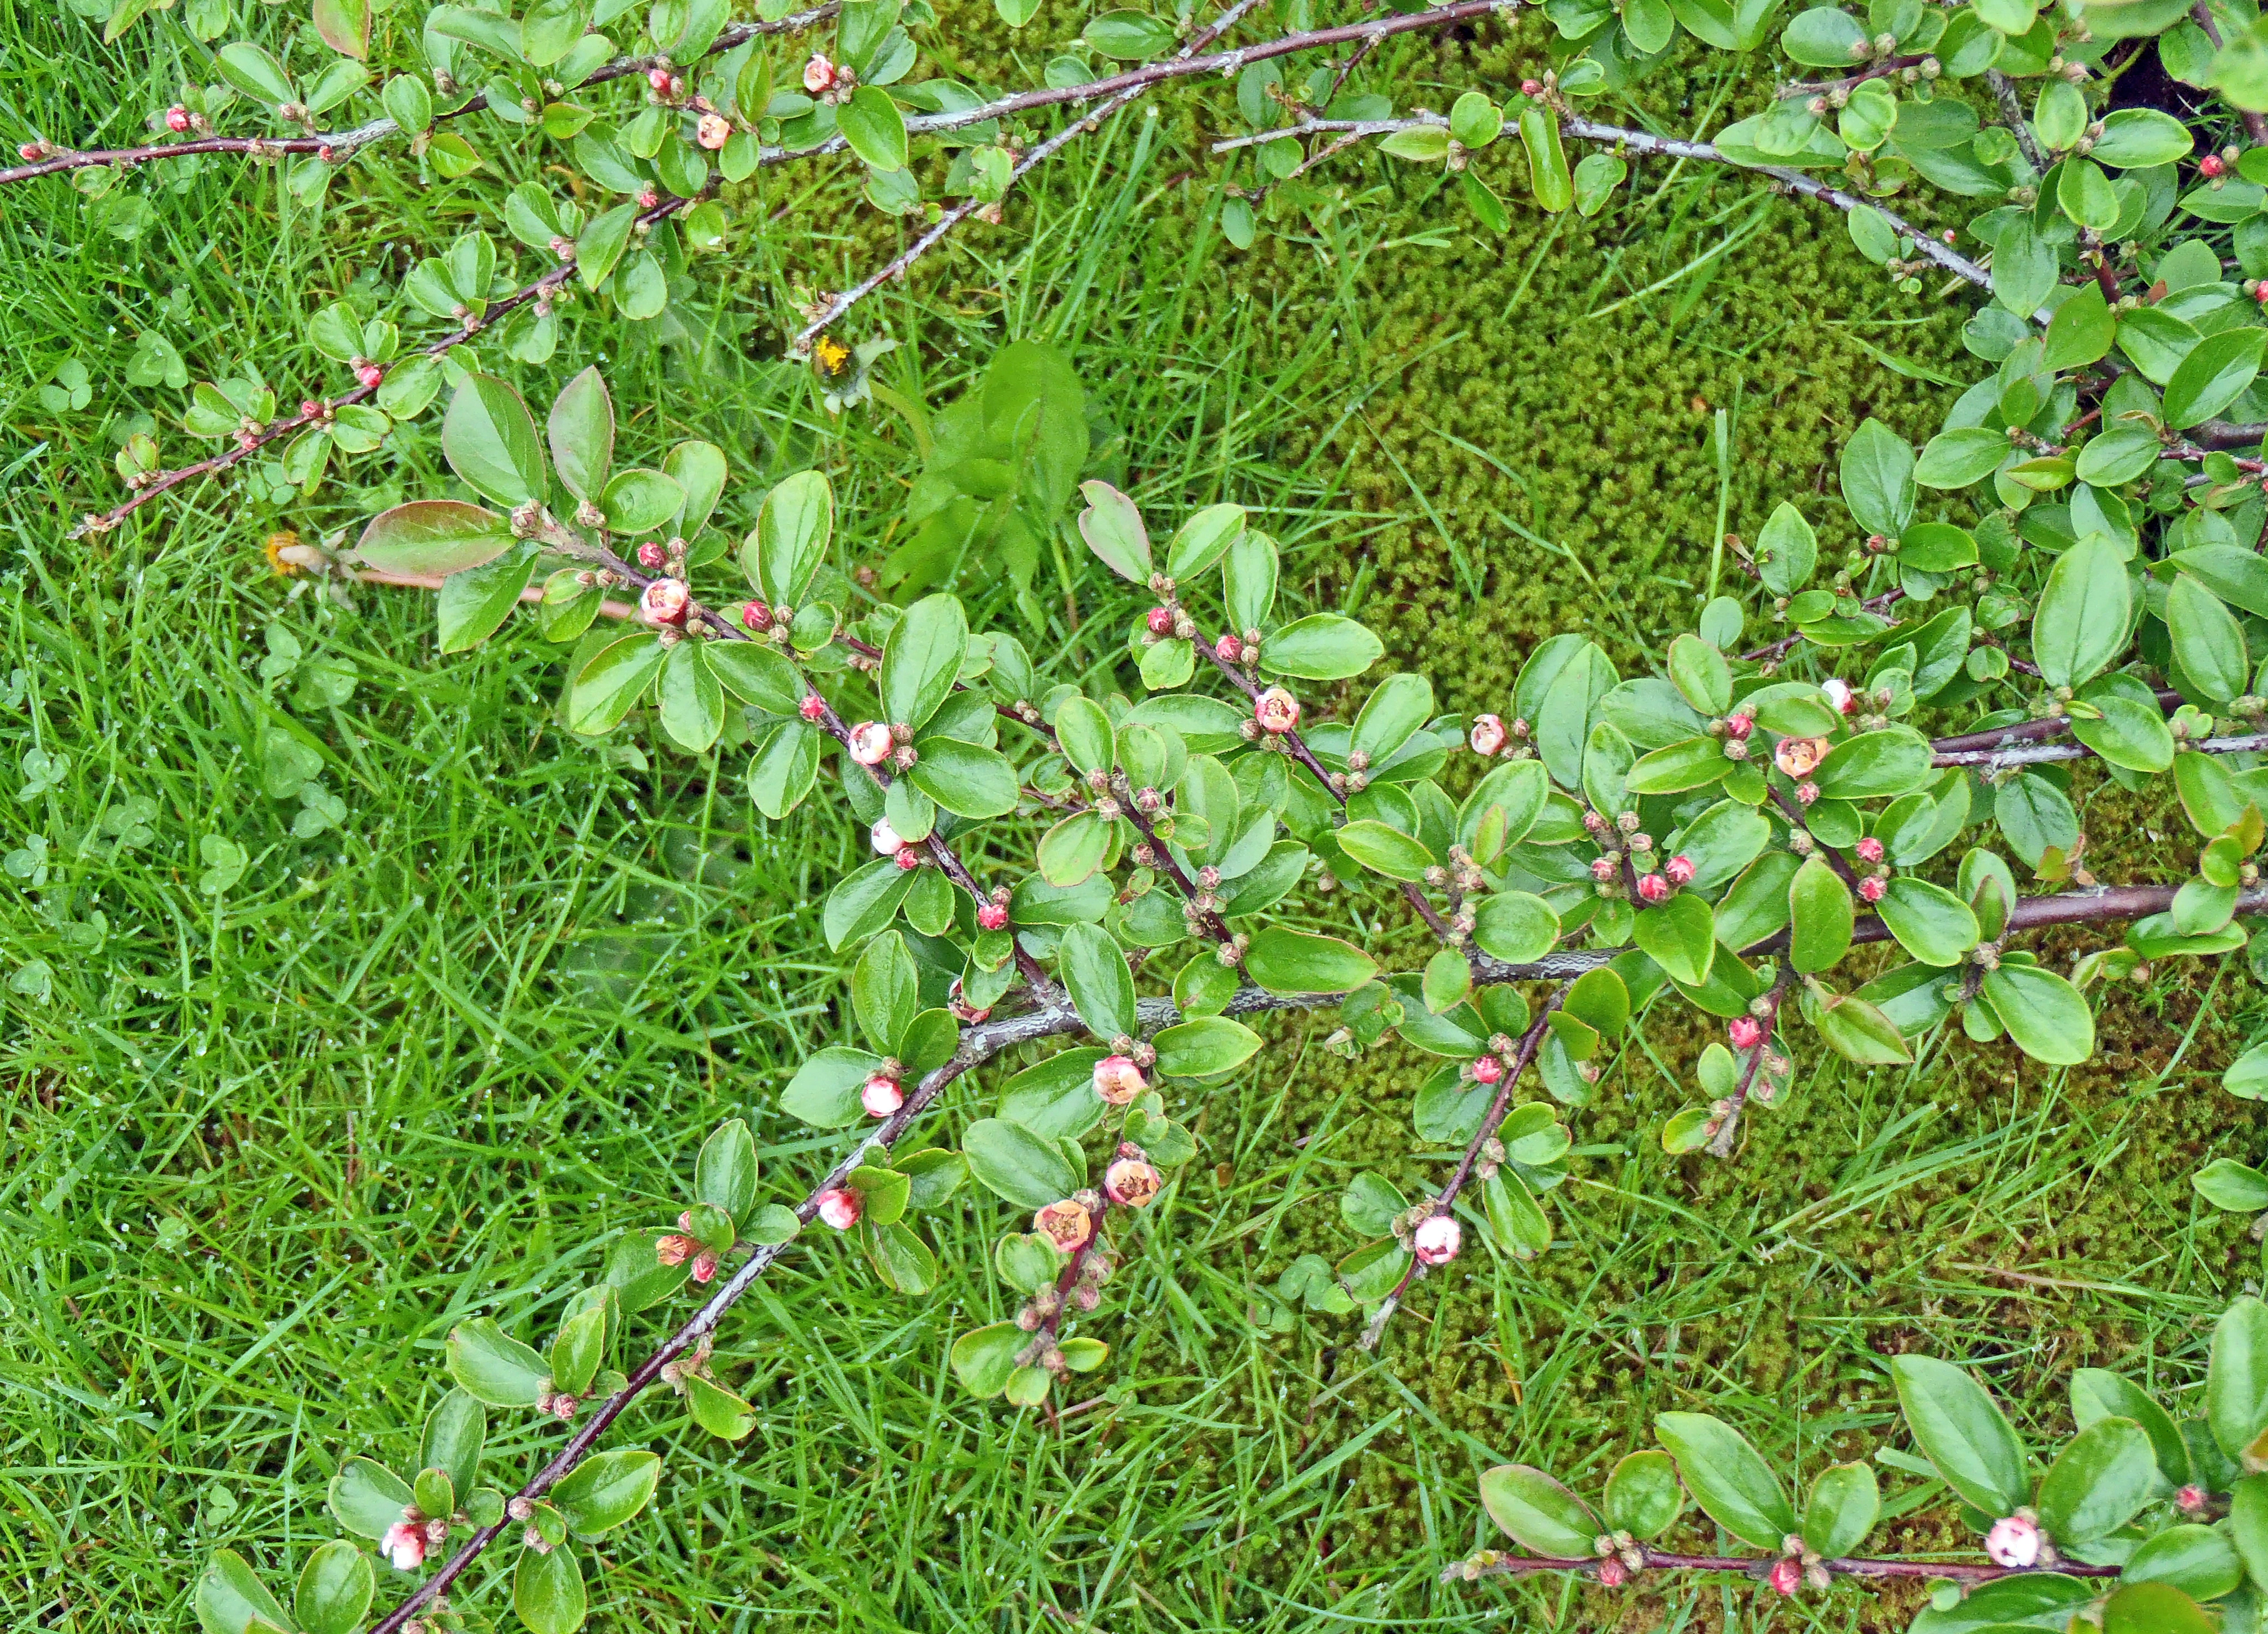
(699, 613)
(339, 144)
(1720, 1145)
(1445, 1199)
(978, 1044)
(531, 596)
(165, 481)
(1494, 1565)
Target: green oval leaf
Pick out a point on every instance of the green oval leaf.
(1538, 1513)
(1323, 646)
(606, 1489)
(433, 536)
(1962, 1430)
(1728, 1477)
(489, 438)
(1285, 960)
(547, 1591)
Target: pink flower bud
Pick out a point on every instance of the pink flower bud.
(370, 374)
(2191, 1500)
(1602, 869)
(30, 152)
(1594, 823)
(1066, 1223)
(1872, 888)
(675, 1249)
(1798, 757)
(1680, 869)
(1118, 1080)
(647, 198)
(1806, 793)
(1276, 710)
(704, 1269)
(910, 858)
(1488, 734)
(1787, 1575)
(404, 1544)
(1612, 1572)
(1533, 88)
(818, 73)
(713, 132)
(177, 119)
(881, 1096)
(650, 555)
(1870, 849)
(659, 79)
(884, 838)
(754, 615)
(1487, 1069)
(1653, 888)
(1739, 726)
(992, 916)
(1161, 620)
(1746, 1031)
(962, 1009)
(1229, 648)
(309, 409)
(664, 602)
(1437, 1240)
(2211, 165)
(870, 743)
(841, 1207)
(1132, 1181)
(2014, 1541)
(813, 707)
(1840, 694)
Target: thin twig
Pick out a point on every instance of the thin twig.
(1647, 145)
(1132, 85)
(2011, 109)
(244, 449)
(1297, 748)
(338, 145)
(1445, 1199)
(1493, 1564)
(1851, 81)
(1720, 1145)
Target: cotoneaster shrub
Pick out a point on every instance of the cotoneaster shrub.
(2070, 565)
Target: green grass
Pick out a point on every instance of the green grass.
(264, 1147)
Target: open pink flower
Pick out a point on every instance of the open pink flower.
(1132, 1181)
(1276, 710)
(1067, 1224)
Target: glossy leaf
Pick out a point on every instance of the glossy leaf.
(1728, 1477)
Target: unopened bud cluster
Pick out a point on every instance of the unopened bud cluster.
(1624, 842)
